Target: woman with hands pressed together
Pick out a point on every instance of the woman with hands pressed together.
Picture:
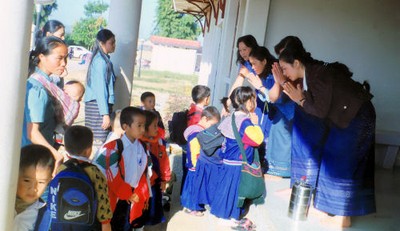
(333, 134)
(275, 111)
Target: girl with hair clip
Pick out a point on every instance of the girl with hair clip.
(275, 111)
(49, 57)
(244, 45)
(99, 96)
(225, 205)
(333, 134)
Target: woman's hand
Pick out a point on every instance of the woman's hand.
(255, 81)
(294, 93)
(244, 72)
(278, 74)
(106, 122)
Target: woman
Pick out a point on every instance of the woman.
(336, 113)
(48, 58)
(245, 45)
(99, 95)
(275, 111)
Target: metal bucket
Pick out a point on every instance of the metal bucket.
(300, 201)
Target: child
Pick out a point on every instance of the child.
(243, 99)
(161, 168)
(35, 168)
(78, 144)
(201, 98)
(189, 200)
(125, 163)
(148, 100)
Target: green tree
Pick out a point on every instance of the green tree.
(84, 32)
(44, 13)
(175, 25)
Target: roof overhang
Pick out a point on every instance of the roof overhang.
(201, 9)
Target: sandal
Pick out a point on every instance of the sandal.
(193, 212)
(245, 225)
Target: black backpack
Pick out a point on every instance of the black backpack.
(178, 124)
(72, 199)
(210, 139)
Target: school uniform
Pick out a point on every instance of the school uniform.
(225, 203)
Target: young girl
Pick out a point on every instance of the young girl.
(49, 57)
(243, 99)
(161, 167)
(99, 95)
(189, 200)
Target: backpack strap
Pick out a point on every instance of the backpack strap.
(43, 219)
(120, 147)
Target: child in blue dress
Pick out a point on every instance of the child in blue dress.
(243, 99)
(209, 117)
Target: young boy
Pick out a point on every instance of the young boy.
(148, 100)
(35, 168)
(78, 144)
(125, 163)
(201, 98)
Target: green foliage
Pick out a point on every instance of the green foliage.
(44, 13)
(175, 25)
(84, 32)
(93, 9)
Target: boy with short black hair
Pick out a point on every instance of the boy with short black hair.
(125, 163)
(78, 144)
(35, 171)
(148, 100)
(201, 98)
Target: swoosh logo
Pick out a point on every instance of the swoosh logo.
(72, 216)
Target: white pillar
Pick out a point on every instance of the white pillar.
(124, 20)
(255, 19)
(16, 21)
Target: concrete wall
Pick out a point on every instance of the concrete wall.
(364, 34)
(173, 59)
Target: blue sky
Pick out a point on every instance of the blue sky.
(70, 11)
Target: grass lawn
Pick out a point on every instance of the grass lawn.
(172, 90)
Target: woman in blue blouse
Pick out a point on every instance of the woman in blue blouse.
(99, 94)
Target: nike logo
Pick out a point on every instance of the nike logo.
(70, 215)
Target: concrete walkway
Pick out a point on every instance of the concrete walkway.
(273, 214)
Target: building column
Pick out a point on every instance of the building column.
(255, 19)
(124, 20)
(16, 20)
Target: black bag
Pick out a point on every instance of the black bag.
(210, 139)
(177, 126)
(251, 185)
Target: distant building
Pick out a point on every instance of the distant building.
(170, 54)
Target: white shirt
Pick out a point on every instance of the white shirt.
(26, 220)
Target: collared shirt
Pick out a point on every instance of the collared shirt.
(305, 87)
(39, 109)
(99, 88)
(135, 160)
(26, 220)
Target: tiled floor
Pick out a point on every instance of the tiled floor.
(273, 214)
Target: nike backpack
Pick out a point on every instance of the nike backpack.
(72, 199)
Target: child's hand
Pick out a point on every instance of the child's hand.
(254, 118)
(164, 186)
(134, 198)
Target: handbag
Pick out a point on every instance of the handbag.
(210, 139)
(251, 184)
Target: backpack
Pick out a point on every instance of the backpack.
(210, 139)
(72, 199)
(178, 124)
